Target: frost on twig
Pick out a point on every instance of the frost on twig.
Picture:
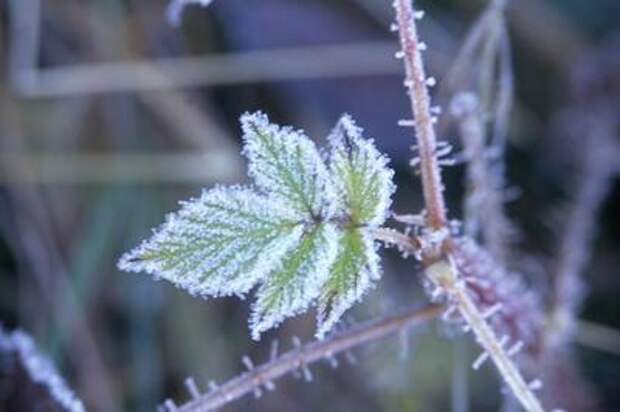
(39, 369)
(301, 356)
(442, 274)
(304, 233)
(597, 167)
(483, 206)
(359, 172)
(417, 89)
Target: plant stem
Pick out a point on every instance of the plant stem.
(393, 237)
(439, 267)
(415, 82)
(306, 354)
(487, 339)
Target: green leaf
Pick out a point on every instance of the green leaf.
(355, 269)
(292, 287)
(360, 175)
(220, 244)
(287, 166)
(304, 236)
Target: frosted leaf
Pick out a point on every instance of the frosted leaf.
(360, 175)
(222, 243)
(355, 269)
(40, 369)
(305, 234)
(293, 286)
(286, 165)
(364, 185)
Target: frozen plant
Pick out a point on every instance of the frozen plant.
(305, 232)
(39, 368)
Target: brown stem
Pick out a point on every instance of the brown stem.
(402, 241)
(415, 82)
(307, 354)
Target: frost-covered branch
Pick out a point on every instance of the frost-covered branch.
(597, 169)
(304, 355)
(39, 368)
(403, 242)
(444, 276)
(483, 206)
(416, 84)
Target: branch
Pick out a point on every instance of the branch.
(402, 241)
(39, 371)
(483, 206)
(291, 63)
(445, 275)
(299, 357)
(439, 264)
(597, 168)
(492, 346)
(416, 85)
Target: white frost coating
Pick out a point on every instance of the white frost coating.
(220, 244)
(295, 284)
(354, 281)
(360, 172)
(287, 166)
(175, 9)
(304, 235)
(40, 368)
(364, 186)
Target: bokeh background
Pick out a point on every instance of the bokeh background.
(109, 115)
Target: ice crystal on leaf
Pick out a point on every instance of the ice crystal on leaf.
(364, 183)
(360, 175)
(287, 165)
(297, 281)
(219, 244)
(304, 234)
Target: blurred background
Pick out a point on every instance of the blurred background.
(110, 114)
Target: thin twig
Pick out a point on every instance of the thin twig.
(596, 336)
(483, 207)
(440, 268)
(597, 169)
(308, 62)
(416, 85)
(486, 337)
(393, 237)
(304, 355)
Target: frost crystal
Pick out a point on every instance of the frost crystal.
(360, 175)
(304, 234)
(286, 164)
(364, 182)
(40, 368)
(220, 244)
(297, 281)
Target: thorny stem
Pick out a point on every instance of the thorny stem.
(445, 275)
(440, 272)
(486, 337)
(415, 82)
(304, 355)
(402, 241)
